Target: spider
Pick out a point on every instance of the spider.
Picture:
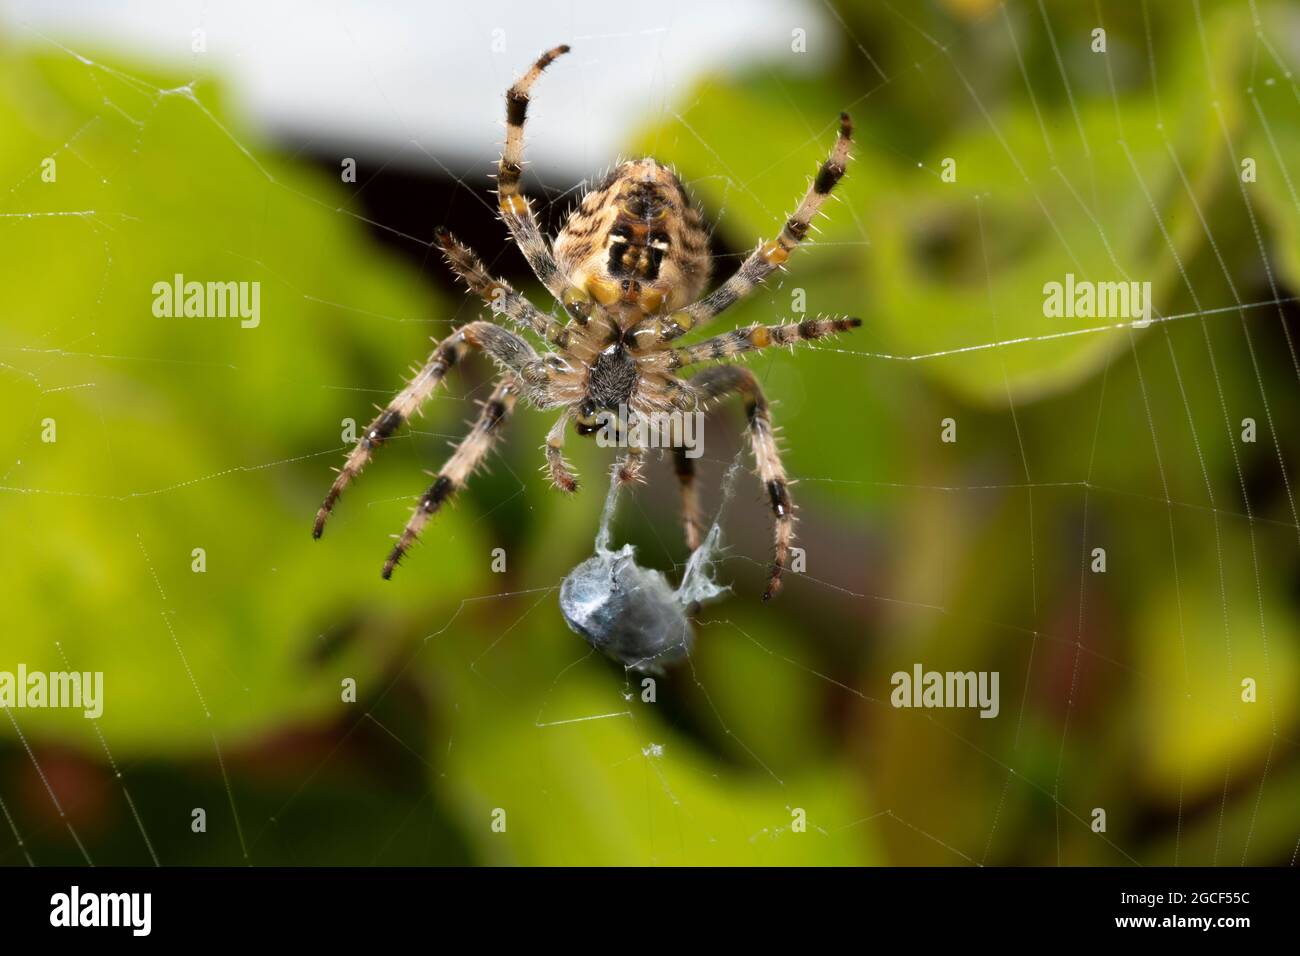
(628, 268)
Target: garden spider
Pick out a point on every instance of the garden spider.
(628, 267)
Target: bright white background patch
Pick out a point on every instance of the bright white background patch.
(377, 75)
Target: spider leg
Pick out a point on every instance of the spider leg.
(758, 337)
(504, 300)
(561, 476)
(515, 208)
(628, 467)
(506, 348)
(770, 255)
(720, 381)
(469, 454)
(692, 519)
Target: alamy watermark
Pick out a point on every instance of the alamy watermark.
(208, 300)
(1084, 299)
(133, 911)
(79, 690)
(628, 428)
(922, 688)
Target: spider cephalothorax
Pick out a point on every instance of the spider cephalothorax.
(628, 268)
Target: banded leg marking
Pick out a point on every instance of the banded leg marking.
(561, 476)
(515, 208)
(500, 296)
(770, 255)
(505, 347)
(716, 383)
(692, 519)
(758, 337)
(469, 454)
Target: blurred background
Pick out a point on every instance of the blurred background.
(213, 141)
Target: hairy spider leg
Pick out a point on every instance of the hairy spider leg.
(515, 207)
(721, 381)
(770, 255)
(561, 476)
(692, 518)
(468, 456)
(506, 348)
(502, 298)
(757, 337)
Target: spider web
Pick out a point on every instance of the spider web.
(695, 775)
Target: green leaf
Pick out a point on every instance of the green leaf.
(586, 774)
(1198, 716)
(173, 434)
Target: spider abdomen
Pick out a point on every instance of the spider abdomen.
(635, 243)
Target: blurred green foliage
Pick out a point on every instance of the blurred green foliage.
(1119, 690)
